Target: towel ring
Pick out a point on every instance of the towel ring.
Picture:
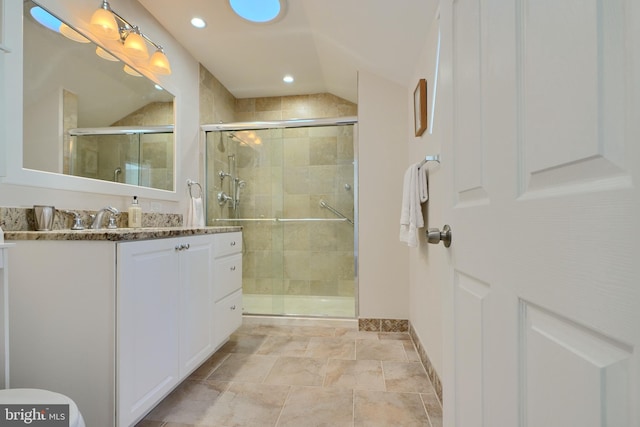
(191, 183)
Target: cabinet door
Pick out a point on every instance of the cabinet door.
(196, 277)
(148, 306)
(228, 314)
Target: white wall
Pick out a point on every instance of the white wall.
(428, 263)
(183, 83)
(43, 147)
(382, 160)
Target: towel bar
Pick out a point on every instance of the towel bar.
(434, 158)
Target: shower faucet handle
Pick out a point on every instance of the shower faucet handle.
(223, 198)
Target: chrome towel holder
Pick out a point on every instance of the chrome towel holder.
(433, 158)
(190, 184)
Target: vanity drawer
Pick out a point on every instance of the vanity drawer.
(227, 273)
(227, 244)
(228, 315)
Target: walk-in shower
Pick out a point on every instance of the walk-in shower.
(291, 185)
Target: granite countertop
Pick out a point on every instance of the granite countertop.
(118, 234)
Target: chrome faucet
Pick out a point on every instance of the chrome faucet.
(77, 220)
(97, 218)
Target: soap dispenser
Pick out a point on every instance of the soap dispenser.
(135, 214)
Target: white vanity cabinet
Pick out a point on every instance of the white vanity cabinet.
(228, 295)
(117, 325)
(164, 320)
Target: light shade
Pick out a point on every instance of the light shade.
(105, 55)
(131, 71)
(103, 24)
(159, 63)
(135, 46)
(72, 34)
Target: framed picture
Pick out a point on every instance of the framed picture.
(420, 107)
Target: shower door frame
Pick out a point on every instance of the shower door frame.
(303, 123)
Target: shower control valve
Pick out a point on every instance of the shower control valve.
(223, 198)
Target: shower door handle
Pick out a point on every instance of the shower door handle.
(436, 236)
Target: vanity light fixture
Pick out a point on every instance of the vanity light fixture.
(159, 63)
(103, 23)
(135, 46)
(108, 24)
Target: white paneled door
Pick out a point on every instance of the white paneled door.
(540, 120)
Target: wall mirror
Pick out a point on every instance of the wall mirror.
(89, 115)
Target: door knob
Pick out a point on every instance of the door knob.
(436, 236)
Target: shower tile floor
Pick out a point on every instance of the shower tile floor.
(304, 372)
(299, 305)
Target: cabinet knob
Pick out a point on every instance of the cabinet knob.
(233, 307)
(233, 268)
(233, 243)
(182, 247)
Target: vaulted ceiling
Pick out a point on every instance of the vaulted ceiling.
(322, 43)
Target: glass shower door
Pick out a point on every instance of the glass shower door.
(292, 189)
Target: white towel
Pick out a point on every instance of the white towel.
(195, 213)
(423, 186)
(411, 214)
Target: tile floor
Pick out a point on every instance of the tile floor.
(309, 374)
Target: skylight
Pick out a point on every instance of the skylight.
(45, 18)
(257, 10)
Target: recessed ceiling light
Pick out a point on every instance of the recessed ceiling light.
(198, 22)
(258, 10)
(287, 79)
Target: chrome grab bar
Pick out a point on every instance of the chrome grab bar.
(281, 219)
(309, 219)
(335, 211)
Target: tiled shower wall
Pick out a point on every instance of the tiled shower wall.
(287, 175)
